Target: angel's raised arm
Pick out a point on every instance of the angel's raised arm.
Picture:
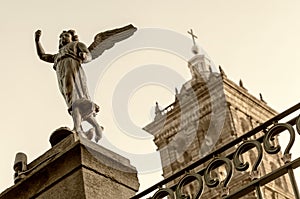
(40, 51)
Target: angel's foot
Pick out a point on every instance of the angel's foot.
(90, 133)
(98, 133)
(97, 138)
(78, 131)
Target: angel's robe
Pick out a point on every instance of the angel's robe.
(71, 77)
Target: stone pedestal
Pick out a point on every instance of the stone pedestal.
(79, 169)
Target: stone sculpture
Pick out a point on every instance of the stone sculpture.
(70, 74)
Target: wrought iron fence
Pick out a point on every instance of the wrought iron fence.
(232, 161)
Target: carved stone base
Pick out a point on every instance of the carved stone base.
(76, 168)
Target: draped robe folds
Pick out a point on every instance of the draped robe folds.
(72, 80)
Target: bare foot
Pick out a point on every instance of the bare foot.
(97, 138)
(90, 133)
(98, 133)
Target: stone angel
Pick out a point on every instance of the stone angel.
(70, 74)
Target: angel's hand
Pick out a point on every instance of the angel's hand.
(38, 34)
(83, 56)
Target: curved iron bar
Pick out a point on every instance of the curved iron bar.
(277, 128)
(298, 124)
(246, 146)
(287, 159)
(210, 182)
(229, 156)
(187, 179)
(224, 148)
(162, 192)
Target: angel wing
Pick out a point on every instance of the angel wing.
(106, 40)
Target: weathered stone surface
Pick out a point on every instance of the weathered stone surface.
(113, 166)
(76, 168)
(69, 187)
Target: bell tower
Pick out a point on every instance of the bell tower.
(209, 111)
(199, 65)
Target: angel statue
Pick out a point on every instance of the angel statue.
(71, 77)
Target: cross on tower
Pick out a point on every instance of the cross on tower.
(193, 36)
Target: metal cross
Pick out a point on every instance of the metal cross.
(193, 36)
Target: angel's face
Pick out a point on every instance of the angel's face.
(65, 38)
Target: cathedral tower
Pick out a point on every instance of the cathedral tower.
(209, 111)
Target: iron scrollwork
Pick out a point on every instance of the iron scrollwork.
(277, 128)
(213, 182)
(187, 179)
(243, 166)
(298, 124)
(162, 192)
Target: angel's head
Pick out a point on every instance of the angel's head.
(66, 37)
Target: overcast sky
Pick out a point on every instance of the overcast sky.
(256, 41)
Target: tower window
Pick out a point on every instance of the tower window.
(244, 125)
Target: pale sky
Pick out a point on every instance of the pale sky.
(256, 41)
